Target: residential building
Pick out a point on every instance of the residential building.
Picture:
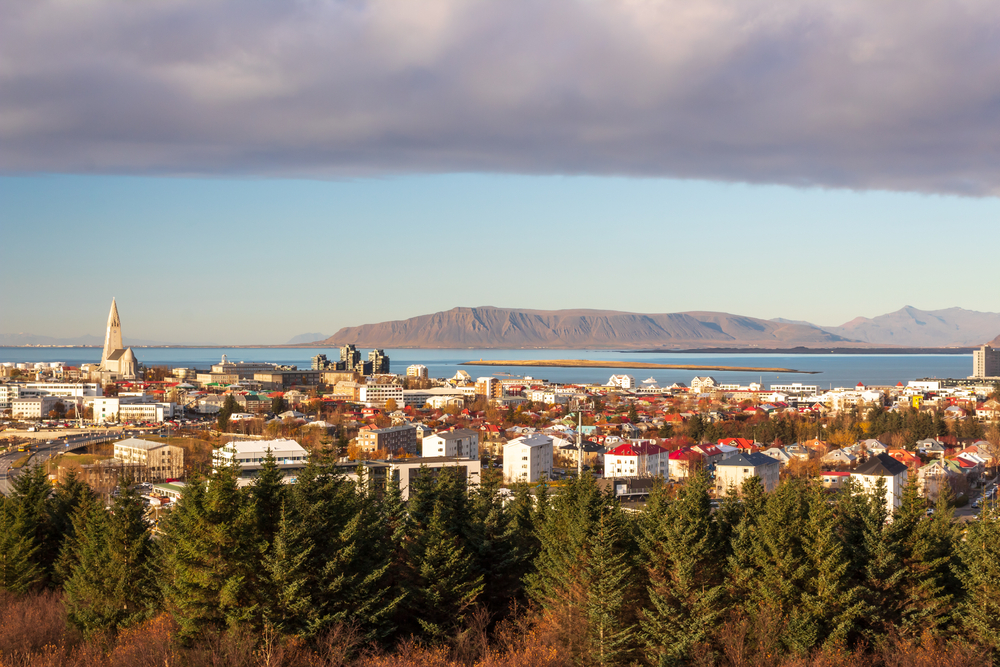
(379, 362)
(418, 371)
(637, 459)
(527, 458)
(489, 387)
(32, 408)
(390, 439)
(377, 395)
(703, 385)
(731, 473)
(462, 443)
(158, 461)
(986, 362)
(250, 455)
(883, 466)
(407, 470)
(622, 381)
(834, 479)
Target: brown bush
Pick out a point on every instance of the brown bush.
(29, 623)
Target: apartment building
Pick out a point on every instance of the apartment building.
(376, 395)
(986, 362)
(158, 460)
(131, 409)
(250, 455)
(731, 473)
(527, 458)
(462, 443)
(407, 470)
(32, 408)
(390, 439)
(418, 371)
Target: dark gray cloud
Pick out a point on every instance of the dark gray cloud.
(892, 94)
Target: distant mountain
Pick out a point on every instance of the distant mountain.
(302, 339)
(912, 327)
(489, 327)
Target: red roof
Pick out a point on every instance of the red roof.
(836, 473)
(631, 449)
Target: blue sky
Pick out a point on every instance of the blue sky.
(262, 260)
(241, 172)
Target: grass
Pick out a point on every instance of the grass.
(23, 461)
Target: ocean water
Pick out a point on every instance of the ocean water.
(830, 370)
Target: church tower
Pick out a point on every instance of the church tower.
(113, 338)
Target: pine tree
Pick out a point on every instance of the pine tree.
(611, 578)
(267, 494)
(19, 572)
(881, 572)
(70, 496)
(830, 603)
(980, 554)
(72, 546)
(686, 596)
(493, 542)
(30, 494)
(208, 555)
(113, 585)
(287, 605)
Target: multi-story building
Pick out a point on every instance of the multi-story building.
(407, 470)
(462, 443)
(730, 473)
(282, 380)
(489, 387)
(986, 362)
(527, 458)
(637, 459)
(244, 370)
(154, 461)
(32, 408)
(350, 359)
(250, 455)
(390, 439)
(131, 409)
(376, 395)
(622, 381)
(379, 363)
(417, 371)
(883, 466)
(8, 392)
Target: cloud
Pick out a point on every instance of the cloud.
(900, 95)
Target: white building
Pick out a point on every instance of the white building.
(159, 460)
(32, 408)
(732, 472)
(62, 389)
(986, 362)
(289, 456)
(703, 385)
(417, 371)
(525, 459)
(462, 443)
(885, 467)
(408, 469)
(622, 381)
(637, 459)
(376, 395)
(131, 409)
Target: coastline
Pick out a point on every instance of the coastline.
(585, 363)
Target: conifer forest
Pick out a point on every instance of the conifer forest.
(330, 571)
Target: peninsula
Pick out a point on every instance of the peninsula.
(585, 363)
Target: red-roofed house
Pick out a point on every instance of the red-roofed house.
(684, 461)
(832, 479)
(642, 459)
(909, 458)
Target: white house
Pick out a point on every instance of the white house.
(622, 381)
(525, 459)
(637, 459)
(463, 443)
(732, 472)
(892, 471)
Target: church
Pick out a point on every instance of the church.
(117, 361)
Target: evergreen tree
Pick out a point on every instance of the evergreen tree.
(287, 605)
(70, 496)
(610, 574)
(493, 542)
(72, 546)
(113, 585)
(19, 572)
(267, 493)
(30, 494)
(686, 596)
(980, 554)
(830, 603)
(208, 554)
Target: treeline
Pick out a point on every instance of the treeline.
(467, 576)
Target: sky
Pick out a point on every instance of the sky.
(243, 172)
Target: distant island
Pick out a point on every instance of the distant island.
(585, 363)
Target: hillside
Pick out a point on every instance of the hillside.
(489, 327)
(913, 327)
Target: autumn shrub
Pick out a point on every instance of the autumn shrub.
(29, 623)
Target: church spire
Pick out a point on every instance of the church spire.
(113, 337)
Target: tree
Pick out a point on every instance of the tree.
(611, 579)
(980, 554)
(390, 405)
(19, 572)
(685, 592)
(113, 584)
(278, 405)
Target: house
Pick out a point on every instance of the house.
(932, 478)
(887, 468)
(152, 461)
(839, 457)
(873, 447)
(593, 453)
(389, 439)
(834, 479)
(710, 453)
(909, 459)
(682, 462)
(931, 447)
(732, 472)
(779, 455)
(637, 459)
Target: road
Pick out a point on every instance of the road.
(61, 442)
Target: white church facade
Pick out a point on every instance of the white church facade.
(117, 361)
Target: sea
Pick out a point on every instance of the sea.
(824, 370)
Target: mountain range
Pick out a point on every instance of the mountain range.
(490, 327)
